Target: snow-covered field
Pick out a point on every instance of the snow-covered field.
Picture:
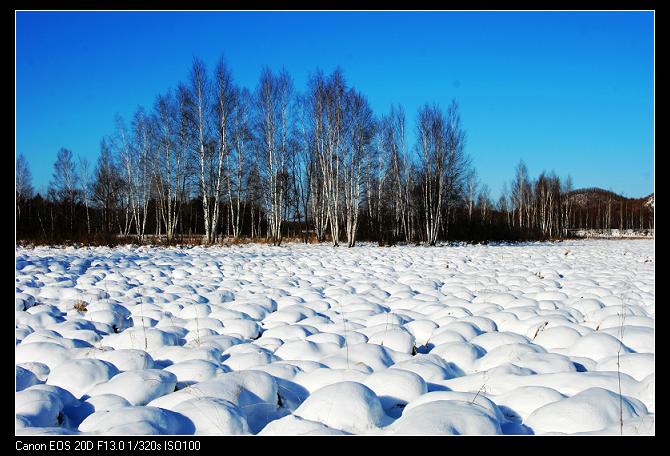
(318, 340)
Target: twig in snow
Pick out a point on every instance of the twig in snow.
(481, 388)
(540, 329)
(144, 328)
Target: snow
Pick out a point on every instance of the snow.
(25, 378)
(590, 410)
(79, 376)
(395, 388)
(138, 387)
(347, 406)
(193, 371)
(294, 425)
(537, 338)
(211, 416)
(134, 421)
(450, 417)
(38, 408)
(125, 359)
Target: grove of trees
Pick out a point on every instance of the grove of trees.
(211, 160)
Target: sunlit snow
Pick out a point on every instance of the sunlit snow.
(310, 339)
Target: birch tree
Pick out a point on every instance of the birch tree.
(566, 203)
(126, 157)
(398, 169)
(329, 115)
(85, 179)
(471, 192)
(314, 132)
(225, 93)
(457, 163)
(484, 202)
(143, 146)
(64, 182)
(23, 183)
(210, 153)
(236, 160)
(107, 185)
(273, 97)
(374, 182)
(305, 172)
(169, 157)
(360, 124)
(520, 190)
(444, 166)
(431, 134)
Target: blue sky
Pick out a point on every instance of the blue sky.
(571, 92)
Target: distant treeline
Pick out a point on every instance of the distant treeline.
(212, 160)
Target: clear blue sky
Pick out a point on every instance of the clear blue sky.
(571, 92)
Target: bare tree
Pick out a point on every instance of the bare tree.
(107, 185)
(171, 130)
(567, 203)
(484, 202)
(23, 182)
(504, 205)
(444, 166)
(328, 97)
(520, 190)
(64, 182)
(126, 158)
(273, 97)
(237, 158)
(361, 126)
(431, 134)
(374, 182)
(397, 169)
(314, 132)
(143, 148)
(306, 173)
(457, 163)
(85, 178)
(210, 151)
(471, 189)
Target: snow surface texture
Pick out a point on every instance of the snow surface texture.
(544, 338)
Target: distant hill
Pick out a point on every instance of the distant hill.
(650, 201)
(594, 210)
(585, 197)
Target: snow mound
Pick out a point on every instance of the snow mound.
(193, 371)
(126, 359)
(347, 406)
(79, 376)
(139, 387)
(25, 378)
(294, 425)
(450, 417)
(135, 421)
(597, 346)
(522, 401)
(591, 410)
(140, 338)
(34, 407)
(395, 388)
(47, 353)
(254, 393)
(211, 416)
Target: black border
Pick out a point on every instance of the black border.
(530, 445)
(374, 444)
(339, 5)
